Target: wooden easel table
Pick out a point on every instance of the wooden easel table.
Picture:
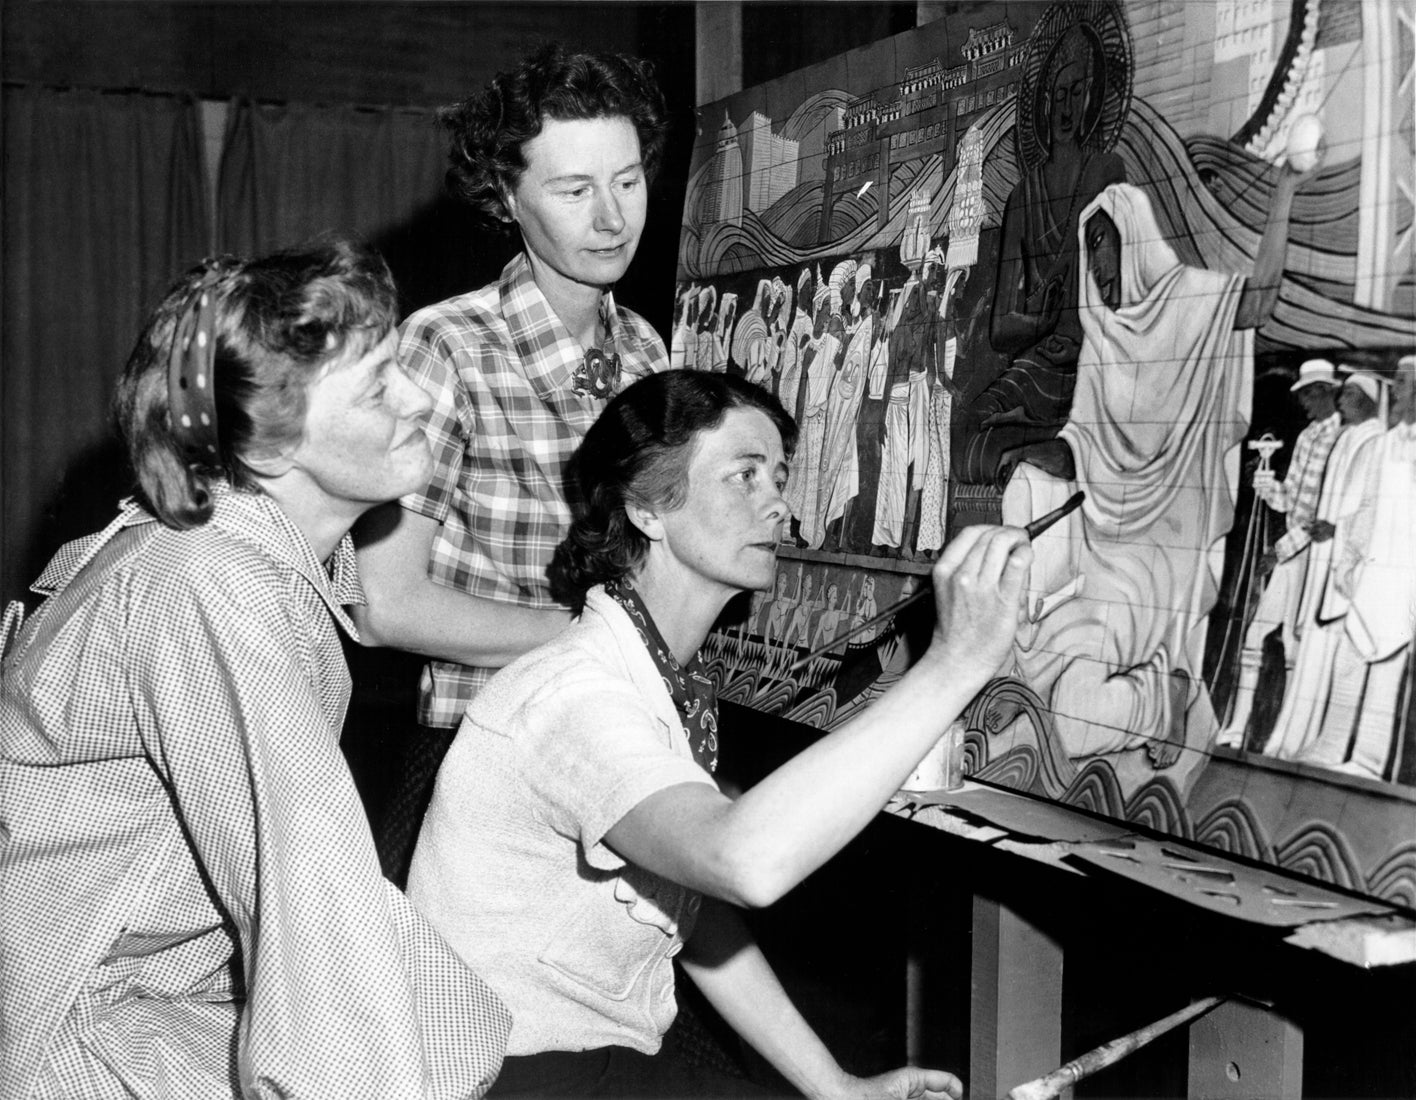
(1239, 1051)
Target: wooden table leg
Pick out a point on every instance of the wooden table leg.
(1015, 1032)
(1242, 1051)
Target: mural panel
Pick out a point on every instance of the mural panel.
(1157, 252)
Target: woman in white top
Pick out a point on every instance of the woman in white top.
(576, 841)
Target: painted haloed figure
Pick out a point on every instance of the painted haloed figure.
(1035, 319)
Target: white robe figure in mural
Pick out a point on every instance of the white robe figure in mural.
(684, 348)
(1118, 625)
(881, 386)
(1381, 620)
(819, 365)
(702, 354)
(1359, 401)
(795, 344)
(1309, 727)
(840, 476)
(938, 419)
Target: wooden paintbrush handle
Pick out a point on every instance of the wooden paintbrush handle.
(1050, 1086)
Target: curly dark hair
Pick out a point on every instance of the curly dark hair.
(279, 321)
(638, 452)
(489, 129)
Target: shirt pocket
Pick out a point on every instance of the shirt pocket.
(619, 934)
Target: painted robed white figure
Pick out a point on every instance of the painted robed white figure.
(1161, 407)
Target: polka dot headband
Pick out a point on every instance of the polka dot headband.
(191, 397)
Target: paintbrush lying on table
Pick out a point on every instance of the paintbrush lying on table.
(1053, 1084)
(1032, 530)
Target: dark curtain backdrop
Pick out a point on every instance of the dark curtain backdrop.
(295, 171)
(104, 203)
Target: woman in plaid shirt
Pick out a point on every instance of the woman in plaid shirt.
(192, 904)
(561, 150)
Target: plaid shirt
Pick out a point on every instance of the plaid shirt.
(498, 364)
(1297, 494)
(192, 904)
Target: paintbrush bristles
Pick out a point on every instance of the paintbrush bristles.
(1042, 523)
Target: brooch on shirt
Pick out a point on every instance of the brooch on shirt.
(598, 376)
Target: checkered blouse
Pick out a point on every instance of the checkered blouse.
(498, 363)
(192, 904)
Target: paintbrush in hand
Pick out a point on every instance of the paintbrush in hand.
(1032, 530)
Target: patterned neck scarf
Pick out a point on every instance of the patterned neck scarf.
(598, 374)
(693, 694)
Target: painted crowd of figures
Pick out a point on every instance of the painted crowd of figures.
(1118, 623)
(866, 371)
